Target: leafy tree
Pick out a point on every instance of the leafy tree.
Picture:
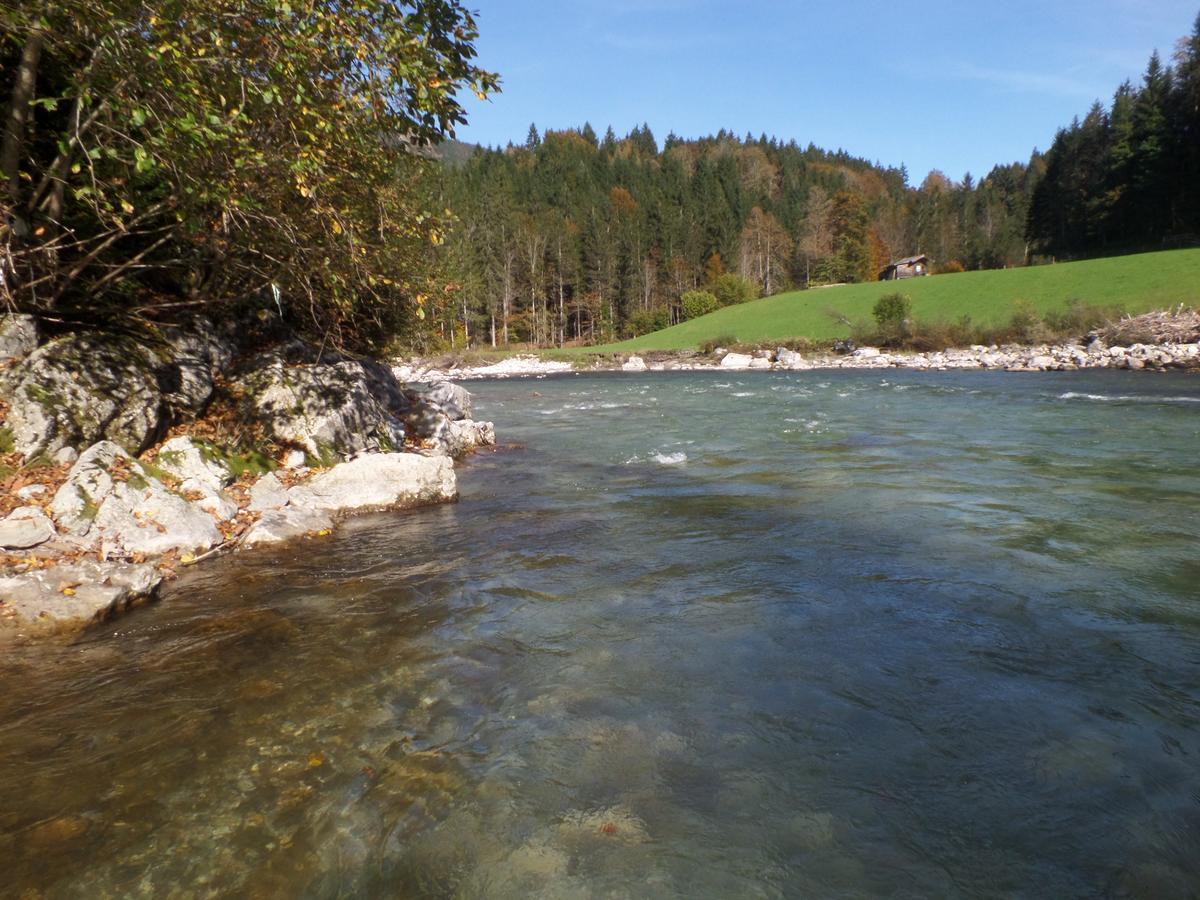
(168, 157)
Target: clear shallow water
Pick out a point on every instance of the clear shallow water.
(815, 634)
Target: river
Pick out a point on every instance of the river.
(817, 634)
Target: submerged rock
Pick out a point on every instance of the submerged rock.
(285, 524)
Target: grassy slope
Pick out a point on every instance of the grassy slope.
(1131, 283)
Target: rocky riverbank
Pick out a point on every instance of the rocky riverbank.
(1095, 354)
(124, 459)
(1154, 341)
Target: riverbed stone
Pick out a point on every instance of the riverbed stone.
(18, 336)
(25, 527)
(634, 364)
(736, 361)
(109, 499)
(285, 524)
(71, 596)
(457, 439)
(378, 481)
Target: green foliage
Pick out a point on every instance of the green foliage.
(1127, 176)
(648, 320)
(199, 153)
(892, 314)
(698, 303)
(238, 462)
(1133, 284)
(731, 288)
(892, 310)
(7, 445)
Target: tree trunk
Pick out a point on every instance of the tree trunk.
(17, 123)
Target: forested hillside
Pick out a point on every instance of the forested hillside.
(571, 238)
(1127, 177)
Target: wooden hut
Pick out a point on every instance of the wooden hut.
(909, 267)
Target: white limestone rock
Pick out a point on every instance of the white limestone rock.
(451, 399)
(133, 512)
(285, 524)
(378, 481)
(25, 527)
(634, 364)
(267, 493)
(329, 408)
(70, 596)
(736, 361)
(18, 336)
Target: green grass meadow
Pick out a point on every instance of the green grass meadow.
(1126, 284)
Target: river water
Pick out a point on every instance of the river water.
(821, 634)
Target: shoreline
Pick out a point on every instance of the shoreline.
(113, 484)
(1074, 356)
(98, 530)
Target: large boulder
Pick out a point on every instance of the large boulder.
(446, 396)
(330, 405)
(111, 501)
(736, 361)
(197, 353)
(378, 481)
(83, 388)
(18, 336)
(80, 389)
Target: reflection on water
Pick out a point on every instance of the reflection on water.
(758, 635)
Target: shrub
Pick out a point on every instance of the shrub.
(892, 313)
(698, 303)
(730, 289)
(949, 267)
(892, 310)
(648, 320)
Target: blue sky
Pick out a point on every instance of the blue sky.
(953, 86)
